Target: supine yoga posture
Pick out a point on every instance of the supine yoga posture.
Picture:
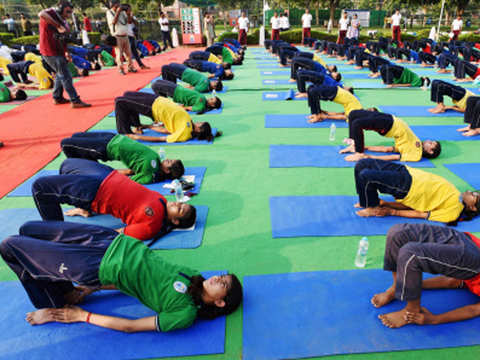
(472, 117)
(398, 76)
(214, 70)
(418, 194)
(194, 78)
(49, 256)
(407, 144)
(414, 249)
(458, 94)
(144, 164)
(96, 188)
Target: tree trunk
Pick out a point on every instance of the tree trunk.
(332, 11)
(225, 13)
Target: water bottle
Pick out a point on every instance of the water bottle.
(214, 93)
(361, 258)
(333, 130)
(161, 154)
(178, 190)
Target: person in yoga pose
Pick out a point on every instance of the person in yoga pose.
(458, 94)
(196, 80)
(414, 249)
(48, 257)
(398, 76)
(418, 194)
(144, 164)
(407, 144)
(472, 117)
(96, 188)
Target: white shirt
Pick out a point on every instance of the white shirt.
(457, 24)
(10, 23)
(306, 20)
(275, 21)
(396, 19)
(163, 23)
(243, 23)
(344, 24)
(120, 28)
(284, 22)
(130, 28)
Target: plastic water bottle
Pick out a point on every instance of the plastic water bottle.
(161, 154)
(178, 190)
(333, 130)
(361, 258)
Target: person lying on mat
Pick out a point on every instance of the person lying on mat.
(13, 94)
(407, 144)
(177, 123)
(196, 80)
(144, 163)
(214, 70)
(98, 188)
(208, 56)
(418, 194)
(318, 93)
(49, 256)
(191, 100)
(19, 72)
(472, 117)
(458, 94)
(414, 249)
(398, 76)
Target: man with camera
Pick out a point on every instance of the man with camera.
(117, 19)
(54, 34)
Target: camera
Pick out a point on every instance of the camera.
(67, 37)
(124, 7)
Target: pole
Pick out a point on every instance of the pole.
(440, 20)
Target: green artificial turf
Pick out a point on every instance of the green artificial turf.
(238, 183)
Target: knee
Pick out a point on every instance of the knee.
(408, 253)
(39, 185)
(394, 234)
(6, 245)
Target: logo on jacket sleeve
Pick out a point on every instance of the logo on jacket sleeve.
(149, 211)
(180, 287)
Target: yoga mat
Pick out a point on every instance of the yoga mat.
(298, 121)
(81, 341)
(12, 219)
(210, 112)
(440, 132)
(377, 85)
(296, 216)
(313, 314)
(286, 156)
(25, 189)
(470, 173)
(149, 90)
(271, 66)
(280, 95)
(278, 82)
(355, 76)
(416, 110)
(275, 73)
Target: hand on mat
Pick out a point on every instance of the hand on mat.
(375, 211)
(471, 132)
(300, 95)
(77, 212)
(348, 149)
(40, 317)
(466, 128)
(389, 86)
(69, 314)
(77, 295)
(137, 130)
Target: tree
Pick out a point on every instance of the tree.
(43, 3)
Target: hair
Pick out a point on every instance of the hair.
(114, 2)
(467, 214)
(338, 77)
(20, 95)
(188, 219)
(436, 151)
(206, 311)
(351, 90)
(84, 72)
(97, 66)
(63, 4)
(227, 66)
(177, 170)
(204, 133)
(7, 15)
(84, 14)
(227, 76)
(217, 105)
(374, 109)
(334, 69)
(219, 86)
(238, 61)
(426, 80)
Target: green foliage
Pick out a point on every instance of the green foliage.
(409, 37)
(424, 33)
(24, 40)
(295, 36)
(226, 35)
(254, 37)
(94, 37)
(469, 37)
(6, 38)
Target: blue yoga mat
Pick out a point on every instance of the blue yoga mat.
(440, 132)
(12, 219)
(82, 341)
(280, 95)
(275, 72)
(285, 156)
(313, 314)
(470, 173)
(277, 82)
(415, 110)
(149, 90)
(298, 121)
(273, 65)
(296, 216)
(25, 189)
(376, 85)
(355, 76)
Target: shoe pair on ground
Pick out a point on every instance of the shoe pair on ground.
(75, 104)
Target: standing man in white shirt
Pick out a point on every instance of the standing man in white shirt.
(284, 22)
(396, 31)
(117, 20)
(306, 25)
(457, 25)
(243, 24)
(163, 21)
(275, 21)
(343, 28)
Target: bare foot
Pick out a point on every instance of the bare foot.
(357, 67)
(472, 132)
(357, 205)
(394, 320)
(355, 157)
(292, 80)
(421, 318)
(437, 109)
(374, 211)
(348, 149)
(301, 95)
(39, 317)
(384, 298)
(77, 212)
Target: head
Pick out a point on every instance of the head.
(7, 16)
(202, 131)
(425, 81)
(431, 149)
(84, 14)
(227, 75)
(307, 11)
(171, 169)
(227, 65)
(214, 103)
(181, 215)
(459, 17)
(355, 16)
(397, 11)
(336, 76)
(471, 201)
(345, 15)
(19, 94)
(215, 296)
(162, 15)
(114, 4)
(22, 16)
(243, 14)
(84, 72)
(332, 68)
(275, 14)
(97, 66)
(216, 85)
(374, 109)
(65, 8)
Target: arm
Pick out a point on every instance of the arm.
(381, 149)
(117, 14)
(76, 314)
(50, 21)
(399, 85)
(125, 171)
(441, 282)
(454, 108)
(336, 116)
(412, 214)
(383, 157)
(148, 138)
(394, 205)
(159, 129)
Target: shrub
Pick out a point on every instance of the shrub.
(6, 38)
(25, 40)
(94, 37)
(469, 37)
(227, 35)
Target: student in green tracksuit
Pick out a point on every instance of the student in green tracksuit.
(7, 95)
(199, 82)
(398, 76)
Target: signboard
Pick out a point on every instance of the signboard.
(191, 26)
(233, 15)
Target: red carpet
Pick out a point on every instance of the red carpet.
(32, 132)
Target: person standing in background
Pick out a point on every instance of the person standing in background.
(352, 32)
(132, 40)
(243, 24)
(10, 24)
(396, 31)
(26, 25)
(275, 21)
(343, 24)
(457, 25)
(306, 24)
(209, 28)
(164, 27)
(284, 22)
(87, 25)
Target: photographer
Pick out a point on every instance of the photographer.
(54, 32)
(117, 19)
